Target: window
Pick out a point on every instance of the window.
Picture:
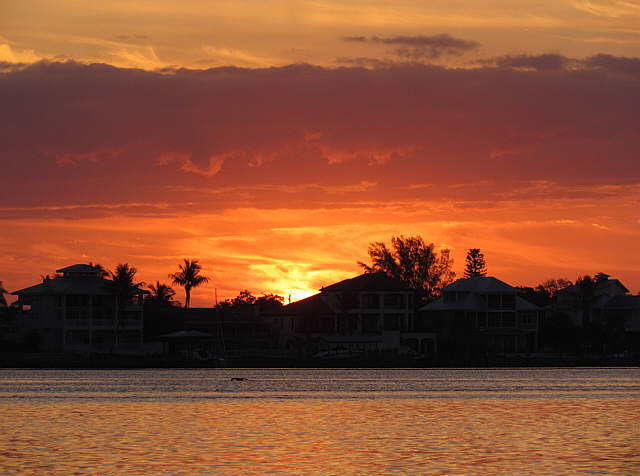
(371, 301)
(370, 323)
(494, 319)
(482, 320)
(393, 300)
(494, 300)
(527, 318)
(392, 322)
(508, 319)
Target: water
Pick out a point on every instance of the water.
(312, 421)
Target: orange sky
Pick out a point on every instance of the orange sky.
(273, 140)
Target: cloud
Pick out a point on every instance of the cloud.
(135, 37)
(550, 62)
(420, 46)
(544, 62)
(71, 158)
(614, 64)
(262, 135)
(608, 8)
(226, 56)
(186, 164)
(9, 54)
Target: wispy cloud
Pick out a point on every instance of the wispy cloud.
(608, 8)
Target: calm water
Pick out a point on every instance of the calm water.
(310, 421)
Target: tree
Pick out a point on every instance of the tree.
(188, 276)
(161, 295)
(413, 261)
(476, 264)
(123, 285)
(246, 300)
(3, 291)
(270, 300)
(123, 281)
(587, 289)
(553, 286)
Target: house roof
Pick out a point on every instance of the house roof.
(524, 305)
(369, 282)
(81, 268)
(480, 284)
(66, 286)
(604, 287)
(316, 304)
(87, 285)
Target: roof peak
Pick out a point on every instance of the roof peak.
(479, 284)
(82, 268)
(376, 281)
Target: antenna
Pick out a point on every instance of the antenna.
(216, 295)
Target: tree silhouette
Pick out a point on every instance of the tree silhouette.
(188, 276)
(3, 291)
(587, 289)
(246, 299)
(476, 264)
(161, 295)
(553, 286)
(413, 261)
(123, 284)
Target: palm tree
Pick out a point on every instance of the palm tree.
(188, 276)
(161, 295)
(3, 291)
(123, 285)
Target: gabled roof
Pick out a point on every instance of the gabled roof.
(480, 285)
(369, 282)
(66, 286)
(316, 304)
(81, 268)
(86, 285)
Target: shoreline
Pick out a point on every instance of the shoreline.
(72, 361)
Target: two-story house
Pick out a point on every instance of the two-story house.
(481, 315)
(371, 312)
(75, 310)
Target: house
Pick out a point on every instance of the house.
(481, 316)
(583, 307)
(371, 312)
(75, 311)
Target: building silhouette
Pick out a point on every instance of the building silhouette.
(75, 311)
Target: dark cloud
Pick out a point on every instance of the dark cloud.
(76, 134)
(614, 64)
(365, 62)
(544, 62)
(420, 47)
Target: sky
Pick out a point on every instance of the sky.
(274, 140)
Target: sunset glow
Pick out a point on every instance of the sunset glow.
(274, 140)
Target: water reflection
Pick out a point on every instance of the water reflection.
(321, 421)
